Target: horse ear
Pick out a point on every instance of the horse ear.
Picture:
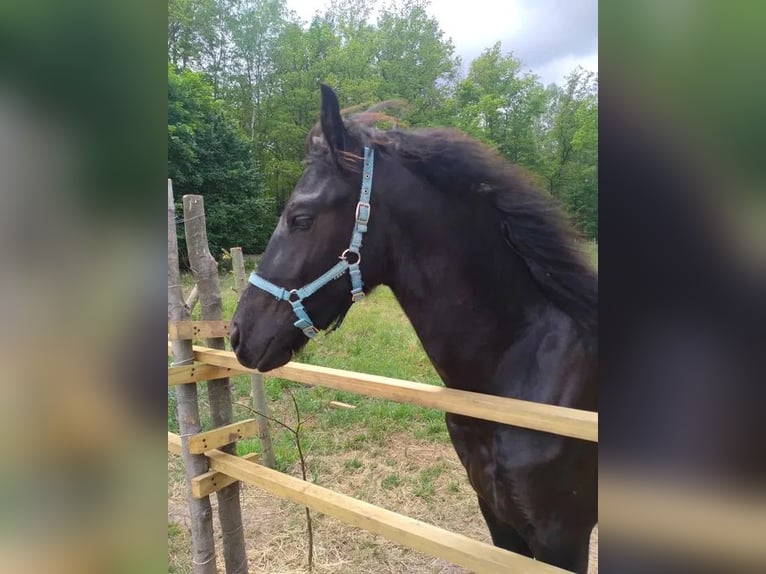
(332, 123)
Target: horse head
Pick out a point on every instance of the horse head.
(313, 266)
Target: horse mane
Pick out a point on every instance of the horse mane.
(532, 223)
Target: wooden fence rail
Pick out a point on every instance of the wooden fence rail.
(549, 418)
(458, 549)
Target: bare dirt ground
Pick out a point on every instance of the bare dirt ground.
(420, 479)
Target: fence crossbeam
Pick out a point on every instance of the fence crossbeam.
(548, 418)
(459, 549)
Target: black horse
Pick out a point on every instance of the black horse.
(490, 275)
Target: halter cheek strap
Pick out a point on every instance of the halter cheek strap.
(296, 296)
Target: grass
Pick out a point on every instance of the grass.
(591, 250)
(353, 464)
(391, 481)
(179, 559)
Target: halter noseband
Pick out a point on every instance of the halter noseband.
(296, 296)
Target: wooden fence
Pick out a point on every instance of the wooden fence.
(212, 467)
(458, 549)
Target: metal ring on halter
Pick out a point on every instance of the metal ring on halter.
(291, 293)
(344, 257)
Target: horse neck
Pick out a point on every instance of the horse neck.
(467, 294)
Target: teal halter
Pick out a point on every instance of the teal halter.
(296, 296)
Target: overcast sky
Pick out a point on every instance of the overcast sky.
(550, 37)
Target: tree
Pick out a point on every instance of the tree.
(183, 46)
(571, 148)
(261, 66)
(256, 30)
(209, 155)
(416, 63)
(498, 105)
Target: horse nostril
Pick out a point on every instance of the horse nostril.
(234, 336)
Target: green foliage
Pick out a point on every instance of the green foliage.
(208, 155)
(570, 155)
(551, 132)
(256, 67)
(415, 62)
(497, 104)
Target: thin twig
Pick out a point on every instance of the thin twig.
(309, 523)
(296, 432)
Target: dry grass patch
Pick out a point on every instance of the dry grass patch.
(430, 485)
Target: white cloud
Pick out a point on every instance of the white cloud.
(550, 37)
(556, 70)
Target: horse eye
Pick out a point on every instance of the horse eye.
(302, 222)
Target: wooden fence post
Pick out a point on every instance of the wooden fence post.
(205, 270)
(238, 266)
(203, 545)
(258, 390)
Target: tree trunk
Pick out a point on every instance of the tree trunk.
(203, 546)
(205, 270)
(258, 390)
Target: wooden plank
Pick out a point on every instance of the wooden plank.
(199, 372)
(458, 549)
(549, 418)
(181, 330)
(238, 266)
(174, 443)
(221, 436)
(340, 405)
(212, 481)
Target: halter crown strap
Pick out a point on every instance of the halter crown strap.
(296, 296)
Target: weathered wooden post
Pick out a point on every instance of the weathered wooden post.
(203, 545)
(205, 270)
(258, 394)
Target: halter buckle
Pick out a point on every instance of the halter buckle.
(362, 212)
(310, 331)
(357, 296)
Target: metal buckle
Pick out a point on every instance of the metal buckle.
(357, 296)
(362, 218)
(310, 331)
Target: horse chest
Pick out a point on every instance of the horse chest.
(500, 460)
